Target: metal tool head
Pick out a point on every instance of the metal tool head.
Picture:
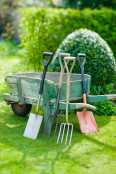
(33, 126)
(87, 122)
(62, 130)
(55, 117)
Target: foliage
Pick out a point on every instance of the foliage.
(100, 62)
(45, 29)
(8, 47)
(97, 4)
(101, 90)
(107, 108)
(88, 4)
(33, 37)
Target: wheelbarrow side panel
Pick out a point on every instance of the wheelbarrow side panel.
(11, 82)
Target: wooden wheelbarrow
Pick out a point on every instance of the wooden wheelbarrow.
(24, 92)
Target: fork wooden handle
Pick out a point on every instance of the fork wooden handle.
(66, 60)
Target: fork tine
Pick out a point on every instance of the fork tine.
(56, 128)
(63, 125)
(63, 132)
(67, 134)
(59, 134)
(71, 133)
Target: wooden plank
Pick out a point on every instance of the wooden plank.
(100, 98)
(10, 97)
(33, 101)
(96, 98)
(73, 106)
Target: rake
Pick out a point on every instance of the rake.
(56, 116)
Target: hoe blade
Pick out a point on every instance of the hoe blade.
(87, 122)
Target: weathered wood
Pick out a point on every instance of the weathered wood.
(96, 98)
(46, 101)
(100, 98)
(10, 97)
(73, 106)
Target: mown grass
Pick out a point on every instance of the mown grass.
(87, 154)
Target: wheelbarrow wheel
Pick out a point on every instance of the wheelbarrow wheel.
(21, 110)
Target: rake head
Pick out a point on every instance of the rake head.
(55, 117)
(62, 130)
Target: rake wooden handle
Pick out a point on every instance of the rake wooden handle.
(62, 68)
(66, 60)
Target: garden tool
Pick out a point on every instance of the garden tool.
(55, 115)
(63, 125)
(34, 121)
(86, 119)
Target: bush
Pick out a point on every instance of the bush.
(45, 29)
(105, 108)
(100, 62)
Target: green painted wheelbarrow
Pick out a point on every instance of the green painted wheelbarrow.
(24, 92)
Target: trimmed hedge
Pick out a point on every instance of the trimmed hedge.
(100, 62)
(45, 29)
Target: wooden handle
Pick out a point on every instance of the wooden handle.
(62, 68)
(85, 105)
(66, 60)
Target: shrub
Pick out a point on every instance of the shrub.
(105, 108)
(100, 62)
(45, 29)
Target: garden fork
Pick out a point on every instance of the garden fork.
(63, 125)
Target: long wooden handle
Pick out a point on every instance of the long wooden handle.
(60, 79)
(62, 68)
(66, 60)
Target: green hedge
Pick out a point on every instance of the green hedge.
(45, 29)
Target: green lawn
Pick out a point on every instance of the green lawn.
(88, 153)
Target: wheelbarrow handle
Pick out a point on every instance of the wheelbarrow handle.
(45, 69)
(66, 60)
